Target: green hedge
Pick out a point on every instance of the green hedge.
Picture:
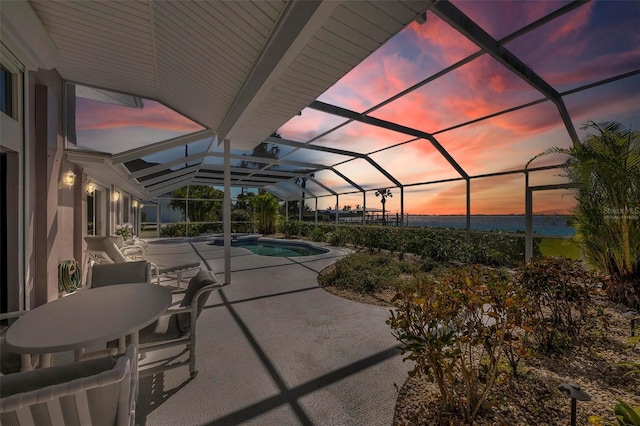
(440, 245)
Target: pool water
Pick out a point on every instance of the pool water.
(278, 249)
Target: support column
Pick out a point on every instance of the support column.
(402, 207)
(528, 220)
(316, 222)
(364, 207)
(226, 212)
(158, 219)
(286, 210)
(468, 209)
(337, 207)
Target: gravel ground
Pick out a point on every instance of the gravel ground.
(533, 398)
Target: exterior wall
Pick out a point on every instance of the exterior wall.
(52, 206)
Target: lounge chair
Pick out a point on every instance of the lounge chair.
(105, 250)
(130, 248)
(100, 391)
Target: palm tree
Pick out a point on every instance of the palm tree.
(383, 193)
(266, 206)
(605, 168)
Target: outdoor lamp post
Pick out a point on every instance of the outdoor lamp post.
(576, 394)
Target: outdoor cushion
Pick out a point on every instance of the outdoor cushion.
(120, 273)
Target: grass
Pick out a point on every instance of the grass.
(559, 247)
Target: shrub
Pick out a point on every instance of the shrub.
(338, 237)
(453, 327)
(366, 273)
(318, 235)
(557, 291)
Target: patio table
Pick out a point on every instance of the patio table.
(86, 318)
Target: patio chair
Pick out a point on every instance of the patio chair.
(178, 326)
(100, 275)
(100, 391)
(104, 250)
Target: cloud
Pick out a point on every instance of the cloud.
(92, 115)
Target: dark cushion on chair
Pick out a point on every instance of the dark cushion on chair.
(201, 279)
(37, 379)
(119, 273)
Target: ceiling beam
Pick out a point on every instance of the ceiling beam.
(269, 160)
(171, 185)
(446, 11)
(291, 23)
(352, 115)
(349, 181)
(168, 176)
(164, 166)
(136, 153)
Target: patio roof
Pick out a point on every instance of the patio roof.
(246, 70)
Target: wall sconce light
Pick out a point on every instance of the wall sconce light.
(68, 179)
(116, 196)
(135, 204)
(91, 187)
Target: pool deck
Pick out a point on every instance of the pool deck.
(273, 348)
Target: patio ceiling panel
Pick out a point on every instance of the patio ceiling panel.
(106, 45)
(185, 33)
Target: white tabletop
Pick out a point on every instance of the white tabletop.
(88, 317)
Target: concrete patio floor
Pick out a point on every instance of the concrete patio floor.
(273, 348)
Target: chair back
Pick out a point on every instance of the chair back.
(200, 280)
(99, 391)
(119, 273)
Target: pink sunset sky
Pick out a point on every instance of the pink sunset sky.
(595, 41)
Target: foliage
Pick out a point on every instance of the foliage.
(367, 273)
(558, 300)
(318, 235)
(125, 230)
(338, 237)
(624, 290)
(453, 327)
(292, 228)
(266, 206)
(205, 203)
(264, 150)
(605, 168)
(194, 229)
(626, 415)
(438, 245)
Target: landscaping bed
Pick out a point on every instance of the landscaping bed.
(531, 398)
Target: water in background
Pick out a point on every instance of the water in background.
(542, 224)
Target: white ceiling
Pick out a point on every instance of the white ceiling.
(239, 68)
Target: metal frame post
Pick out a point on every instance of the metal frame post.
(226, 211)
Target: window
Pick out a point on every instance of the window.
(6, 91)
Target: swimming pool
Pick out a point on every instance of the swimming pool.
(279, 248)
